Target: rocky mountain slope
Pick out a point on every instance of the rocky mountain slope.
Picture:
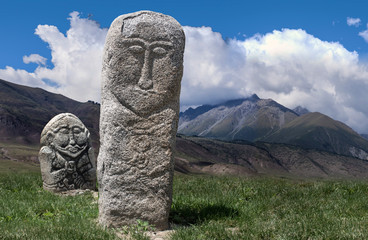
(300, 110)
(254, 119)
(318, 131)
(364, 136)
(246, 119)
(201, 155)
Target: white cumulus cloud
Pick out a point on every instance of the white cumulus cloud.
(289, 66)
(353, 21)
(34, 58)
(76, 58)
(364, 34)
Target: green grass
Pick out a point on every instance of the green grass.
(20, 151)
(203, 208)
(28, 212)
(25, 155)
(9, 166)
(234, 208)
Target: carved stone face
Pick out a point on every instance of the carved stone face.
(145, 62)
(68, 136)
(71, 139)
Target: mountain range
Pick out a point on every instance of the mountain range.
(249, 136)
(254, 119)
(248, 119)
(318, 131)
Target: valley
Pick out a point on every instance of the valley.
(243, 137)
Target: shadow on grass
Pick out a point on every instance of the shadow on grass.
(188, 215)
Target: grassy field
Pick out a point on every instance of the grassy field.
(18, 158)
(28, 212)
(203, 208)
(234, 208)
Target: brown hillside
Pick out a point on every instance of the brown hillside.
(24, 111)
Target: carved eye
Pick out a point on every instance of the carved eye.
(159, 51)
(136, 49)
(64, 130)
(77, 130)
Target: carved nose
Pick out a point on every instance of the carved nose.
(72, 140)
(145, 81)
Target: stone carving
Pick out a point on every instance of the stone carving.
(141, 76)
(66, 157)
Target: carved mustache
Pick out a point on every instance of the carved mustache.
(73, 149)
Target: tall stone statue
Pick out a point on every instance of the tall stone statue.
(141, 76)
(66, 157)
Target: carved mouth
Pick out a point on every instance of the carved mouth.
(138, 90)
(74, 149)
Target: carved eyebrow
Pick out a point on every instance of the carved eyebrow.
(76, 126)
(140, 41)
(161, 43)
(55, 130)
(134, 40)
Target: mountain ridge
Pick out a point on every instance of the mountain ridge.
(255, 119)
(243, 119)
(318, 131)
(192, 113)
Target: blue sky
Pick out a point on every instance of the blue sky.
(308, 53)
(233, 19)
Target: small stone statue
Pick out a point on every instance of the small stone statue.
(141, 77)
(66, 157)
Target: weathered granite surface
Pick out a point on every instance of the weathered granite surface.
(66, 157)
(141, 76)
